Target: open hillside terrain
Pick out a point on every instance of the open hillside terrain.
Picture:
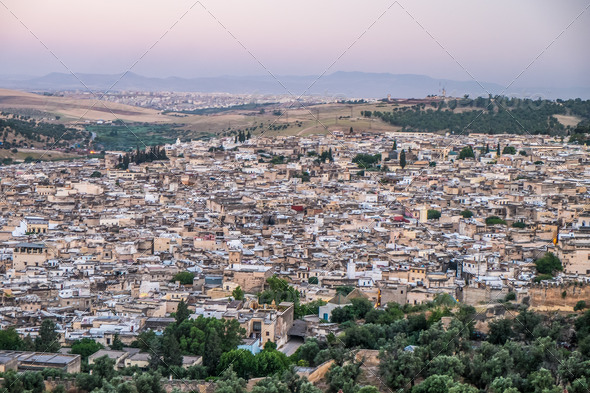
(41, 121)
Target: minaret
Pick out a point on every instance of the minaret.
(350, 270)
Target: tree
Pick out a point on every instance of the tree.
(509, 150)
(466, 213)
(85, 347)
(182, 312)
(498, 150)
(242, 362)
(435, 384)
(308, 351)
(394, 144)
(466, 152)
(344, 290)
(270, 385)
(213, 350)
(9, 339)
(185, 278)
(518, 224)
(402, 159)
(171, 355)
(446, 365)
(495, 220)
(580, 305)
(149, 383)
(117, 344)
(360, 307)
(343, 378)
(548, 264)
(433, 214)
(238, 293)
(229, 382)
(48, 338)
(313, 280)
(500, 331)
(342, 314)
(104, 368)
(96, 174)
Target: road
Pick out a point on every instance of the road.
(291, 346)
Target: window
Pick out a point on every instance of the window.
(267, 333)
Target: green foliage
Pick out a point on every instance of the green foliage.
(402, 159)
(495, 220)
(357, 310)
(9, 339)
(117, 344)
(238, 293)
(433, 214)
(344, 290)
(85, 347)
(500, 331)
(125, 137)
(510, 296)
(466, 213)
(548, 264)
(580, 305)
(104, 368)
(185, 278)
(182, 312)
(313, 280)
(48, 338)
(343, 378)
(96, 174)
(279, 291)
(518, 224)
(265, 363)
(483, 115)
(153, 153)
(311, 308)
(543, 277)
(366, 161)
(509, 150)
(24, 382)
(466, 152)
(148, 383)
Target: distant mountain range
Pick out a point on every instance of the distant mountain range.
(338, 84)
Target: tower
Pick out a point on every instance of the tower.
(350, 270)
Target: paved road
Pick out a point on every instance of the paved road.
(291, 346)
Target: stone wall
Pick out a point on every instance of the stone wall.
(478, 296)
(552, 296)
(169, 385)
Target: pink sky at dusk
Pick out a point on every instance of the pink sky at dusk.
(494, 41)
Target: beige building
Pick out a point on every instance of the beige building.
(28, 255)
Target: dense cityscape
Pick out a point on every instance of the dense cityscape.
(294, 197)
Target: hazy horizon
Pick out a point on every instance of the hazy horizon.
(455, 40)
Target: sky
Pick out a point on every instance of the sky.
(527, 43)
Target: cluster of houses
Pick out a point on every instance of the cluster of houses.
(99, 253)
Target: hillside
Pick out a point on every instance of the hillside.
(38, 119)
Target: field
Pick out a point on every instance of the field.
(297, 120)
(45, 155)
(152, 127)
